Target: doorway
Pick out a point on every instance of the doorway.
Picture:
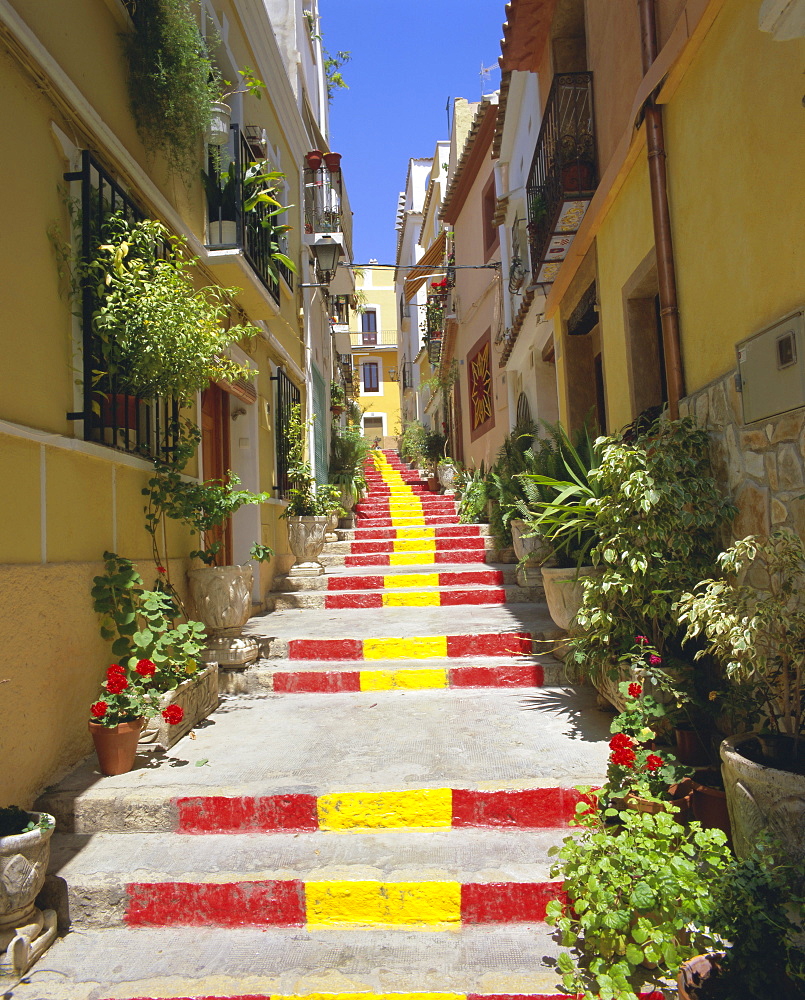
(215, 455)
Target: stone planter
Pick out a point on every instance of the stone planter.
(532, 553)
(564, 591)
(348, 498)
(332, 524)
(447, 477)
(306, 539)
(197, 697)
(762, 798)
(25, 931)
(221, 598)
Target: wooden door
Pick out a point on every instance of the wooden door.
(215, 454)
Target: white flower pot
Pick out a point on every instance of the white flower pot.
(332, 524)
(306, 540)
(221, 598)
(222, 233)
(447, 477)
(220, 120)
(535, 549)
(25, 931)
(564, 591)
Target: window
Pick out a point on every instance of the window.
(371, 376)
(369, 326)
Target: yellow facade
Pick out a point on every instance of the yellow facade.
(65, 500)
(374, 335)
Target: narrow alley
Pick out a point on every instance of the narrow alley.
(370, 814)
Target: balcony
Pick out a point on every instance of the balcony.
(374, 338)
(563, 175)
(327, 213)
(234, 223)
(407, 375)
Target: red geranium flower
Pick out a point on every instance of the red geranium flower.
(115, 670)
(655, 660)
(115, 683)
(620, 741)
(635, 690)
(653, 762)
(173, 714)
(98, 709)
(641, 640)
(145, 668)
(161, 569)
(623, 757)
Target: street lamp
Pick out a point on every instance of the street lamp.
(326, 251)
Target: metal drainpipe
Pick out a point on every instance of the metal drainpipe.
(666, 273)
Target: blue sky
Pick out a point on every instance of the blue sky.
(408, 58)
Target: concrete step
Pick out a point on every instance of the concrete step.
(280, 962)
(442, 879)
(425, 545)
(407, 597)
(415, 531)
(413, 560)
(323, 677)
(393, 740)
(353, 578)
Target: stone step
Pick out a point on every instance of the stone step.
(414, 559)
(275, 963)
(415, 531)
(407, 521)
(412, 647)
(408, 597)
(442, 543)
(353, 578)
(393, 740)
(442, 879)
(323, 677)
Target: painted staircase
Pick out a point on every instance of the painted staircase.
(368, 814)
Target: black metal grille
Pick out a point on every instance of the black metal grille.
(408, 375)
(323, 201)
(565, 165)
(112, 416)
(252, 232)
(288, 395)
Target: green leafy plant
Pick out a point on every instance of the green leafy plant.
(14, 820)
(471, 488)
(332, 71)
(302, 494)
(639, 894)
(412, 442)
(657, 516)
(158, 333)
(172, 81)
(142, 626)
(759, 908)
(249, 83)
(328, 499)
(757, 633)
(337, 394)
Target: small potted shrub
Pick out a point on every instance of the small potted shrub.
(328, 504)
(306, 525)
(337, 398)
(758, 634)
(25, 931)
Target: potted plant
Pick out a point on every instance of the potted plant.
(434, 449)
(222, 211)
(637, 895)
(160, 651)
(337, 398)
(757, 633)
(348, 452)
(221, 595)
(306, 525)
(159, 334)
(447, 470)
(217, 133)
(25, 931)
(328, 504)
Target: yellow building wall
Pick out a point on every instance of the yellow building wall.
(376, 291)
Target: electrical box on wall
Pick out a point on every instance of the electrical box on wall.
(771, 369)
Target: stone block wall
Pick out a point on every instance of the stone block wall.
(759, 465)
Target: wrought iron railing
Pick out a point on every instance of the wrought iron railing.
(288, 396)
(407, 375)
(111, 415)
(230, 226)
(374, 338)
(323, 201)
(565, 166)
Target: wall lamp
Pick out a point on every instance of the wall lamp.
(326, 250)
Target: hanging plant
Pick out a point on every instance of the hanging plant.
(172, 81)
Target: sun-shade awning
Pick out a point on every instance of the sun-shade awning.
(419, 274)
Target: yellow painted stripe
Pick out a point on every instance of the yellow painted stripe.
(333, 904)
(420, 807)
(410, 531)
(414, 544)
(395, 581)
(370, 996)
(411, 680)
(413, 599)
(416, 648)
(405, 559)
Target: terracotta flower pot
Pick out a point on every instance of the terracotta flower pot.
(691, 747)
(116, 746)
(313, 159)
(709, 802)
(333, 161)
(119, 410)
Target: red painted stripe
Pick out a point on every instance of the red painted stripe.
(512, 675)
(317, 681)
(533, 808)
(490, 644)
(465, 577)
(506, 902)
(220, 814)
(229, 904)
(461, 556)
(373, 600)
(485, 596)
(325, 649)
(366, 560)
(355, 583)
(243, 996)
